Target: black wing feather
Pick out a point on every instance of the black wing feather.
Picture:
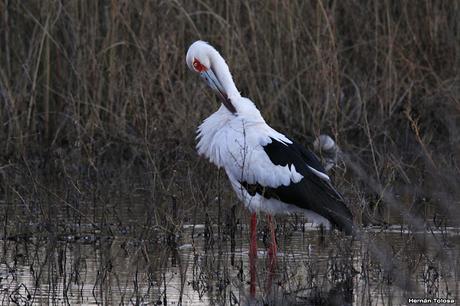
(309, 157)
(312, 192)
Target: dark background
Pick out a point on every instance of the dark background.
(98, 106)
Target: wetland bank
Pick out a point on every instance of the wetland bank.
(103, 199)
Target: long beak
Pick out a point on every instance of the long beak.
(213, 82)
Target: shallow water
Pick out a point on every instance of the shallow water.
(208, 264)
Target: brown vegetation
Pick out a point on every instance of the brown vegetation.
(99, 110)
(99, 83)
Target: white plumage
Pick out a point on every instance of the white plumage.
(235, 143)
(268, 171)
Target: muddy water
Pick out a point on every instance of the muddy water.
(208, 264)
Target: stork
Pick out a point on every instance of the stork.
(269, 171)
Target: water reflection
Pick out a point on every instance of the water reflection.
(207, 264)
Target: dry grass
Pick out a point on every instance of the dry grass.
(98, 109)
(99, 113)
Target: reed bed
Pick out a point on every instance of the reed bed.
(97, 85)
(99, 110)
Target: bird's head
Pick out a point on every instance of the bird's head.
(198, 56)
(203, 59)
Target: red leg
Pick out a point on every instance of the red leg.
(253, 254)
(273, 247)
(271, 254)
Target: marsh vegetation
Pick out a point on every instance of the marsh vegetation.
(103, 198)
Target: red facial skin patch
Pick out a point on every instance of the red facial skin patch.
(198, 66)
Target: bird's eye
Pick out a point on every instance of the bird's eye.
(198, 66)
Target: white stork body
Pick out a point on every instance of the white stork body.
(268, 171)
(236, 144)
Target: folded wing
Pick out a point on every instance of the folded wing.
(313, 192)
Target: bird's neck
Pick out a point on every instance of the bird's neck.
(222, 72)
